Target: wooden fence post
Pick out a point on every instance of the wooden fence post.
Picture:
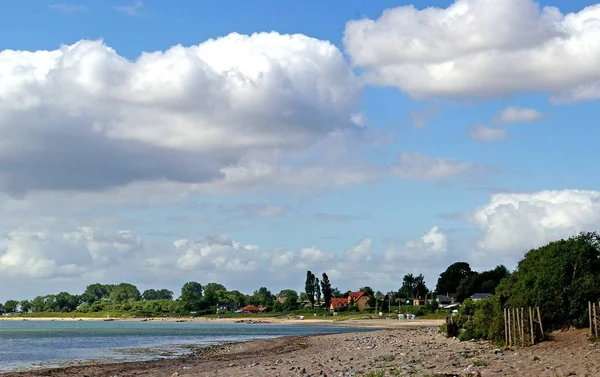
(522, 327)
(595, 320)
(537, 308)
(590, 315)
(518, 327)
(515, 327)
(510, 333)
(531, 326)
(506, 327)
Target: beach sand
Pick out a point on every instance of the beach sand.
(402, 348)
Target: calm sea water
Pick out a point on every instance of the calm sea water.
(37, 344)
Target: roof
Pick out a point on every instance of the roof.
(253, 308)
(357, 295)
(339, 302)
(444, 298)
(479, 296)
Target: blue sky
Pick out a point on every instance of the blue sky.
(100, 179)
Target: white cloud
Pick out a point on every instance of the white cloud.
(361, 252)
(45, 254)
(413, 165)
(485, 133)
(69, 8)
(227, 108)
(133, 10)
(514, 114)
(433, 245)
(453, 51)
(515, 222)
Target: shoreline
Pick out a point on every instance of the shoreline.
(417, 350)
(350, 322)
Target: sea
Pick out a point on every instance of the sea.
(26, 345)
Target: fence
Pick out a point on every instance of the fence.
(520, 326)
(594, 313)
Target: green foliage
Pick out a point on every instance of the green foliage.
(560, 278)
(449, 280)
(261, 297)
(161, 294)
(125, 292)
(326, 288)
(481, 320)
(25, 306)
(290, 298)
(96, 292)
(484, 282)
(309, 287)
(191, 296)
(413, 286)
(11, 306)
(215, 293)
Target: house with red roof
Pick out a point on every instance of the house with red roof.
(360, 299)
(252, 309)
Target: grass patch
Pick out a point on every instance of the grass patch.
(483, 362)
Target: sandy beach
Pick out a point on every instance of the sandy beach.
(401, 348)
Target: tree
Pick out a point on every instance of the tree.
(25, 306)
(65, 302)
(336, 293)
(237, 298)
(2, 308)
(125, 292)
(309, 287)
(191, 296)
(560, 278)
(11, 306)
(450, 279)
(289, 298)
(38, 304)
(413, 286)
(326, 289)
(484, 282)
(213, 293)
(164, 294)
(95, 292)
(262, 296)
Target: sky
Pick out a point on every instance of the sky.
(247, 142)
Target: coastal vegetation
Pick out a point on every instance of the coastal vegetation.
(560, 278)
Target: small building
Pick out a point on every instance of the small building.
(419, 302)
(444, 300)
(361, 299)
(252, 309)
(480, 296)
(338, 303)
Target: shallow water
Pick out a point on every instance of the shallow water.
(37, 344)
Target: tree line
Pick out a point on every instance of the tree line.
(458, 281)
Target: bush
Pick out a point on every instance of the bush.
(481, 320)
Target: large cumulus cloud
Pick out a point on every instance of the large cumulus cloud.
(82, 117)
(515, 222)
(477, 48)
